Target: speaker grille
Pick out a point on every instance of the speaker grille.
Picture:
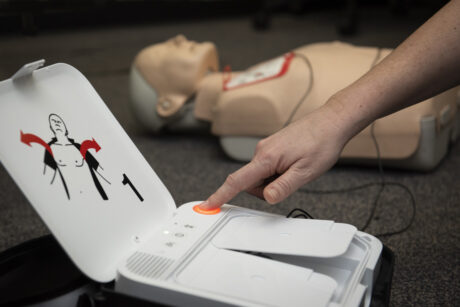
(147, 265)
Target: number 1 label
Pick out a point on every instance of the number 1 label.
(127, 181)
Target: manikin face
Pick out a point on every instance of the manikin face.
(57, 125)
(181, 45)
(178, 60)
(173, 69)
(180, 51)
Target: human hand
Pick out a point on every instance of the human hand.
(288, 159)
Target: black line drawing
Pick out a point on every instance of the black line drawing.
(127, 181)
(78, 169)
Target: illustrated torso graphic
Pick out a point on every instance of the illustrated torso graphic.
(70, 162)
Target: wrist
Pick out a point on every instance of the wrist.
(347, 114)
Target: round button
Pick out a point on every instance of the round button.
(204, 211)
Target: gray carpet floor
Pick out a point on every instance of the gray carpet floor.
(193, 166)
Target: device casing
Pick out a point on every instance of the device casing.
(117, 221)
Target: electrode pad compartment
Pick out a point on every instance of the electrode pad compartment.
(271, 234)
(244, 261)
(356, 266)
(256, 280)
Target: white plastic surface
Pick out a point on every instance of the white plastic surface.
(183, 264)
(91, 186)
(276, 235)
(257, 280)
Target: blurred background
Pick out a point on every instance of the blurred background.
(102, 37)
(30, 17)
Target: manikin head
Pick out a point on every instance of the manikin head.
(57, 125)
(170, 72)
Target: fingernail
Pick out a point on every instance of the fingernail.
(272, 195)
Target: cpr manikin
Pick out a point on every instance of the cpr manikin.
(243, 107)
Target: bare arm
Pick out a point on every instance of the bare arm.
(425, 64)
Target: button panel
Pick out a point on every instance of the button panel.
(181, 232)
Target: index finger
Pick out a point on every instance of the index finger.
(244, 178)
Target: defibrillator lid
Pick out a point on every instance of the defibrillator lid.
(78, 167)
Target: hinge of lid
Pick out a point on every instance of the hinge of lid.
(27, 69)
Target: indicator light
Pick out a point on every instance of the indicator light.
(198, 209)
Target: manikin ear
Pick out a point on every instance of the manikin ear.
(169, 105)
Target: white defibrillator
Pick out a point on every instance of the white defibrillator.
(117, 221)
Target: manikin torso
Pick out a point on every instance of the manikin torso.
(307, 78)
(270, 95)
(314, 74)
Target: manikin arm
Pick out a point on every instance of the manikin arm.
(425, 64)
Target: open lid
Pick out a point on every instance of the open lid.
(78, 167)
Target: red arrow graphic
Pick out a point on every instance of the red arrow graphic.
(28, 138)
(85, 145)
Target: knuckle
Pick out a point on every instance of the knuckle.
(232, 181)
(284, 187)
(304, 172)
(266, 155)
(260, 145)
(265, 158)
(266, 165)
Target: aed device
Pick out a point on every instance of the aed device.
(117, 221)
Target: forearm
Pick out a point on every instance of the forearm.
(425, 64)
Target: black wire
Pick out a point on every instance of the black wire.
(377, 57)
(382, 182)
(367, 185)
(412, 218)
(307, 92)
(303, 213)
(382, 185)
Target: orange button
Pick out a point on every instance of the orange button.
(197, 208)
